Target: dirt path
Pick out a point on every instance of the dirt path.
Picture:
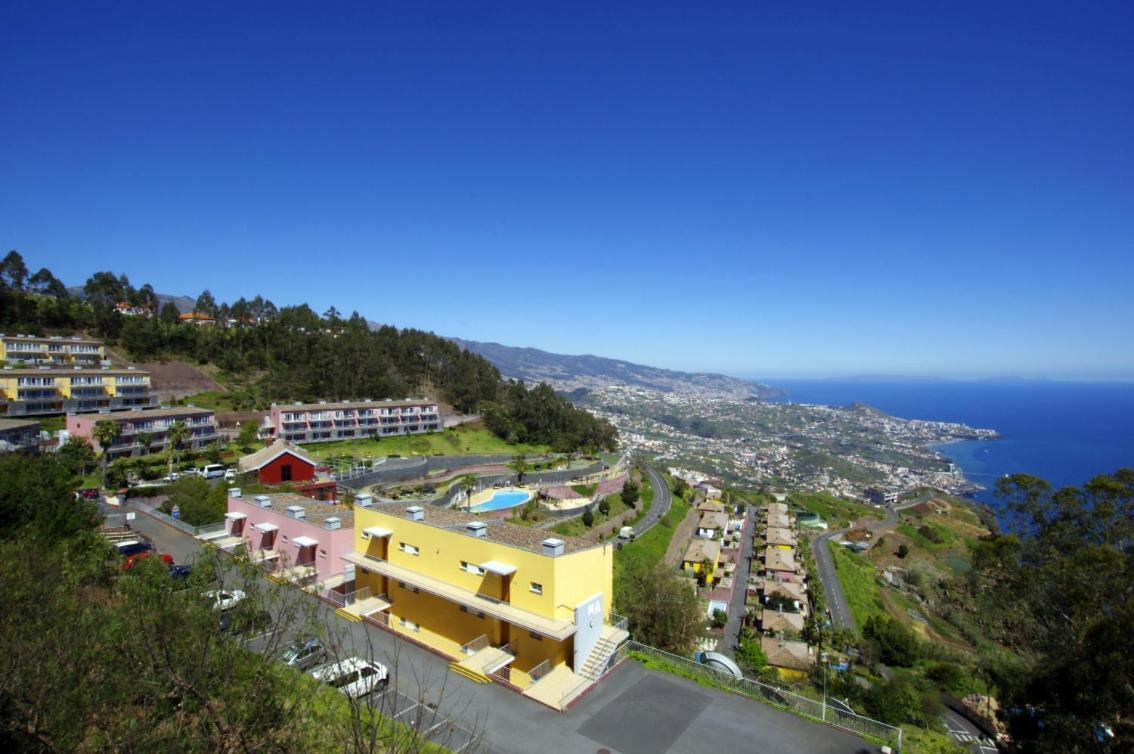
(684, 531)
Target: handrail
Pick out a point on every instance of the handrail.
(539, 671)
(474, 646)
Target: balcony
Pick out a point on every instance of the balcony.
(549, 627)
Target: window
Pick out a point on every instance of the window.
(408, 588)
(536, 588)
(407, 548)
(472, 568)
(465, 609)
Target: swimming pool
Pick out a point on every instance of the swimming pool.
(503, 499)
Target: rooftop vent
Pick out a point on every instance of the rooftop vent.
(476, 529)
(296, 511)
(263, 501)
(415, 513)
(332, 522)
(364, 501)
(234, 492)
(553, 547)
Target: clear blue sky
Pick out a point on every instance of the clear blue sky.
(777, 188)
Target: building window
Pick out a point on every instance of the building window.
(407, 548)
(322, 553)
(537, 588)
(535, 636)
(409, 625)
(472, 568)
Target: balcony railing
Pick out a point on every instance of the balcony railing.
(474, 646)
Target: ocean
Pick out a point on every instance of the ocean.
(1063, 431)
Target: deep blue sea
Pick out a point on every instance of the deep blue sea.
(1063, 431)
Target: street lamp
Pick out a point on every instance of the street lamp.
(823, 659)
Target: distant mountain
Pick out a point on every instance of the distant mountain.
(568, 373)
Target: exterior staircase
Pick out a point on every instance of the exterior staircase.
(599, 658)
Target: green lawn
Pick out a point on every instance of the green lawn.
(458, 441)
(856, 575)
(651, 546)
(837, 512)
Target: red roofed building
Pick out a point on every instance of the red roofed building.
(279, 462)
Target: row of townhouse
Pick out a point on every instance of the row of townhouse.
(703, 555)
(56, 390)
(345, 420)
(56, 350)
(781, 591)
(496, 599)
(200, 424)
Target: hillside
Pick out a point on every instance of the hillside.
(566, 373)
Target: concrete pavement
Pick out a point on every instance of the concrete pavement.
(633, 710)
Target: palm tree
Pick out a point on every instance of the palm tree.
(145, 439)
(106, 432)
(469, 483)
(520, 465)
(176, 433)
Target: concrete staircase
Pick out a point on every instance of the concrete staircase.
(608, 643)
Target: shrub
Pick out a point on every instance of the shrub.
(903, 550)
(588, 518)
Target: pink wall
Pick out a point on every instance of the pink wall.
(333, 544)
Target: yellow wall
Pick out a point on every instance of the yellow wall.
(567, 580)
(9, 384)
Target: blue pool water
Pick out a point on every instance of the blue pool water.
(503, 499)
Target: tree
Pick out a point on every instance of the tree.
(36, 502)
(13, 271)
(106, 432)
(604, 506)
(630, 492)
(681, 488)
(174, 436)
(588, 518)
(751, 655)
(46, 284)
(199, 502)
(169, 314)
(897, 644)
(78, 456)
(249, 433)
(661, 606)
(206, 304)
(520, 465)
(145, 440)
(903, 550)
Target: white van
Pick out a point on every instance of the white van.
(626, 532)
(214, 471)
(354, 676)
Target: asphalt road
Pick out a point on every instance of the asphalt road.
(825, 564)
(633, 710)
(736, 607)
(662, 500)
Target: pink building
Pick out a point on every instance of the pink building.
(346, 420)
(303, 539)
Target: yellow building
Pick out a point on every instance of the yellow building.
(497, 598)
(700, 554)
(54, 350)
(47, 390)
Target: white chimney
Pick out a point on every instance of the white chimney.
(234, 492)
(333, 522)
(553, 547)
(477, 529)
(263, 501)
(415, 513)
(296, 511)
(364, 500)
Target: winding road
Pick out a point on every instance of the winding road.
(662, 500)
(824, 563)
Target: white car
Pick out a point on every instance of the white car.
(223, 600)
(354, 676)
(229, 475)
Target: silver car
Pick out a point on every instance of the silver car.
(305, 654)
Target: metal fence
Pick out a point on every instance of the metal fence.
(176, 522)
(814, 709)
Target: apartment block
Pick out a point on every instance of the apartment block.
(56, 390)
(54, 350)
(325, 422)
(496, 598)
(19, 434)
(304, 540)
(155, 422)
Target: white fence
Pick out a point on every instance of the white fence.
(801, 705)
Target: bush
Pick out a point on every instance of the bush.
(897, 644)
(604, 507)
(930, 533)
(588, 518)
(751, 655)
(720, 618)
(903, 551)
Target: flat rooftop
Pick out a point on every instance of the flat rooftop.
(495, 531)
(152, 413)
(10, 424)
(80, 339)
(359, 404)
(68, 372)
(317, 511)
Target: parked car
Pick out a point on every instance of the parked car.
(354, 676)
(133, 560)
(305, 654)
(88, 493)
(172, 476)
(244, 622)
(225, 600)
(179, 572)
(132, 547)
(192, 471)
(229, 475)
(213, 471)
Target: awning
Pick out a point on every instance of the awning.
(265, 527)
(305, 542)
(377, 531)
(235, 516)
(500, 569)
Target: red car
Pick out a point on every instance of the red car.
(90, 493)
(136, 558)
